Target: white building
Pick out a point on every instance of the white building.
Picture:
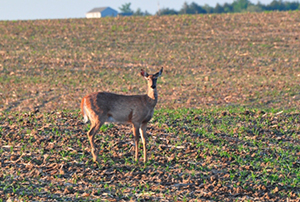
(101, 12)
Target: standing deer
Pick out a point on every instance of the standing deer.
(104, 107)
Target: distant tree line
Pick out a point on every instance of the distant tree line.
(125, 9)
(235, 7)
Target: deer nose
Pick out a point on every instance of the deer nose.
(153, 86)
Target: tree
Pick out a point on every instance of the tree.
(185, 8)
(262, 6)
(291, 5)
(254, 8)
(236, 6)
(167, 11)
(138, 12)
(146, 13)
(193, 8)
(208, 8)
(125, 8)
(218, 9)
(240, 5)
(228, 8)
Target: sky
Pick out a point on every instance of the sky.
(61, 9)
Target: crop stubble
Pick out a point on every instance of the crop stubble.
(211, 62)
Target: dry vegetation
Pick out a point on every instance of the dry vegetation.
(226, 126)
(240, 59)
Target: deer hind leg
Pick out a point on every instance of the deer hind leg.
(136, 134)
(91, 135)
(144, 140)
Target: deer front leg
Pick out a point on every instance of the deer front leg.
(136, 134)
(91, 135)
(144, 140)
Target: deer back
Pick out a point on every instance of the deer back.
(119, 108)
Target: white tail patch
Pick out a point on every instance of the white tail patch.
(86, 113)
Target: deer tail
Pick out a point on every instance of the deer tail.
(84, 110)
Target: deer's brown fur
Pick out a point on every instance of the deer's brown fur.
(137, 110)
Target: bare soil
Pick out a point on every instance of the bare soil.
(209, 60)
(226, 126)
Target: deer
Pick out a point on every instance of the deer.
(137, 110)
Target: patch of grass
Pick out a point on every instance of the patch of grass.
(226, 126)
(238, 150)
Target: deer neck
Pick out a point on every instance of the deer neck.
(152, 95)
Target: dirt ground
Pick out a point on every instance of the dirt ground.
(226, 127)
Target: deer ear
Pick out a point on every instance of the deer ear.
(161, 71)
(158, 74)
(143, 73)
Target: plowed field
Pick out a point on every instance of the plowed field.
(226, 125)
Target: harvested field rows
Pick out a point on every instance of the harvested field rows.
(209, 60)
(194, 155)
(226, 126)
